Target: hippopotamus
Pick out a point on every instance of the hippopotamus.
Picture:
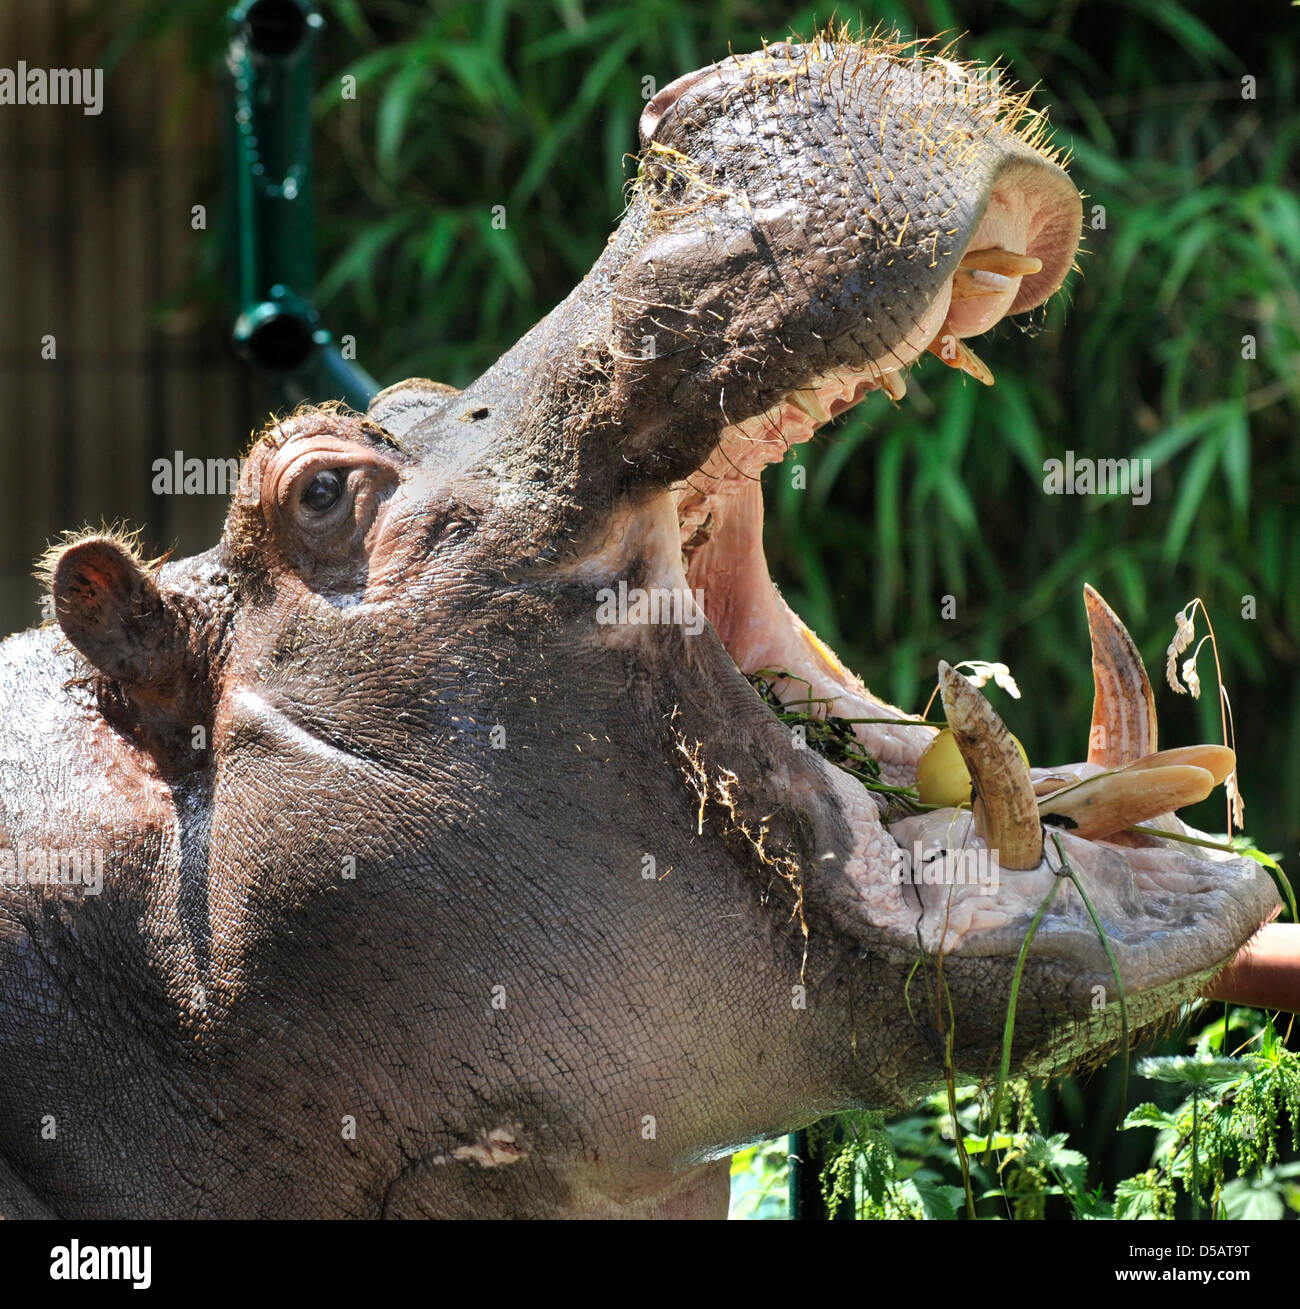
(424, 848)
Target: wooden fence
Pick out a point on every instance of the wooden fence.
(98, 251)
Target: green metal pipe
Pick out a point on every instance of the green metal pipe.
(808, 1155)
(277, 328)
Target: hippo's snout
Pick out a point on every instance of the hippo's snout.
(817, 212)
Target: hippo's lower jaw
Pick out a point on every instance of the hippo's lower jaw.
(1173, 913)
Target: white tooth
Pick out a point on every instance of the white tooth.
(894, 385)
(967, 283)
(811, 404)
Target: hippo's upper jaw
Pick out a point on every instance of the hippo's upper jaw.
(429, 804)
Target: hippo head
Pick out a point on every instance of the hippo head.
(438, 799)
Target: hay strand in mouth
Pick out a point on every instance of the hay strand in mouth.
(833, 737)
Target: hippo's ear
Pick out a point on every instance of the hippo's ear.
(111, 608)
(399, 408)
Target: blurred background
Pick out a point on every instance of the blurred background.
(1180, 342)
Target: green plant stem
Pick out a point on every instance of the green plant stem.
(1179, 836)
(1196, 1185)
(1069, 872)
(1009, 1026)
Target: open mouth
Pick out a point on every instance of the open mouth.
(1173, 913)
(720, 508)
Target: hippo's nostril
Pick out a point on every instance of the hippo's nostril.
(653, 114)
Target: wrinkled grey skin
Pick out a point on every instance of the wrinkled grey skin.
(349, 959)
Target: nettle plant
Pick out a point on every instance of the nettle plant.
(1219, 1145)
(1221, 1135)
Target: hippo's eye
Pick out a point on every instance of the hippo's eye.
(323, 491)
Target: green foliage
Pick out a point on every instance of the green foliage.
(1232, 1119)
(830, 735)
(760, 1181)
(890, 1185)
(1143, 1196)
(1219, 1146)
